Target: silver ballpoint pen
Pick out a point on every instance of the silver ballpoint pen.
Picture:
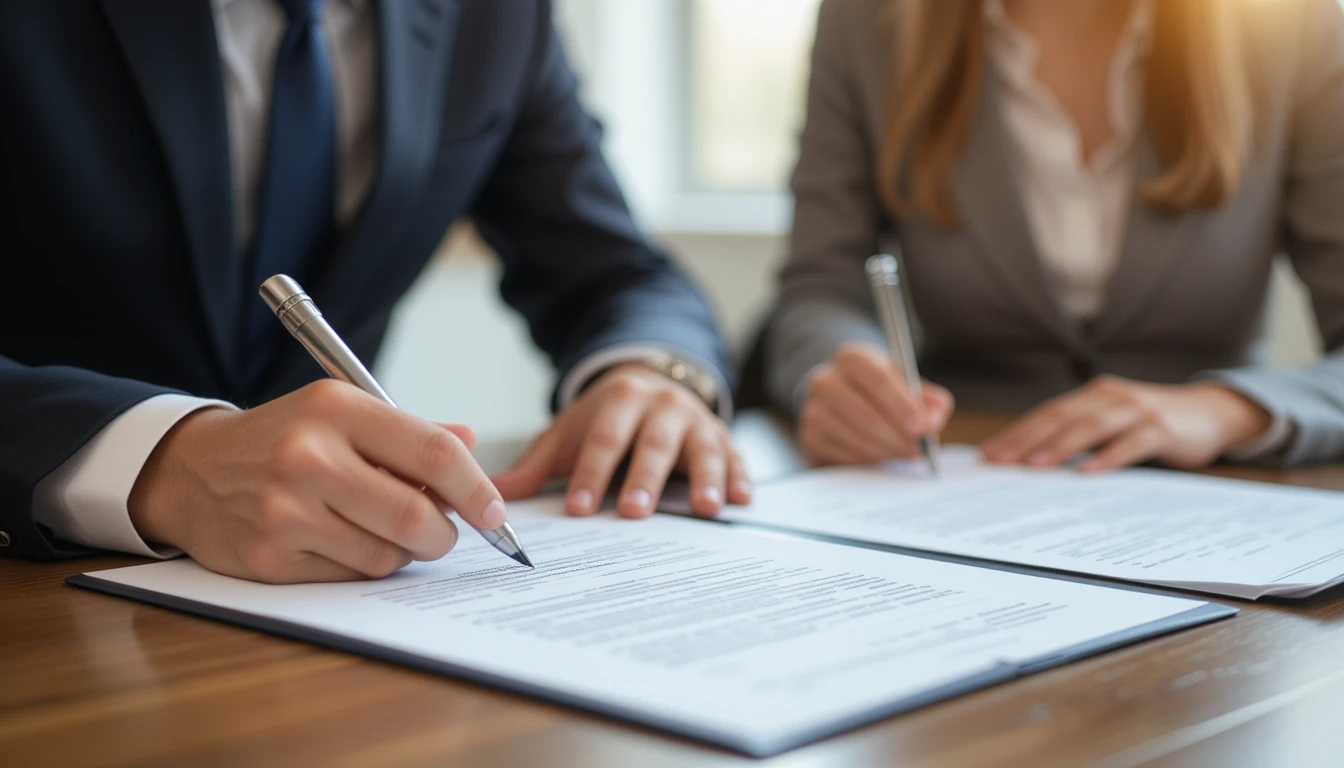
(884, 277)
(303, 320)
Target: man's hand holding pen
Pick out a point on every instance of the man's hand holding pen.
(291, 491)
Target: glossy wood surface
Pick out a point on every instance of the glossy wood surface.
(87, 679)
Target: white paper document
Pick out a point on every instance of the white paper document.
(750, 640)
(1156, 527)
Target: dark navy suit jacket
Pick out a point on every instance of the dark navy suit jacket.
(119, 277)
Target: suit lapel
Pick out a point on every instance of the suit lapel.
(988, 195)
(415, 48)
(172, 51)
(1154, 241)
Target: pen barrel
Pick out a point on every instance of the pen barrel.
(885, 280)
(336, 358)
(303, 320)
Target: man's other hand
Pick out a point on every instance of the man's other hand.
(660, 425)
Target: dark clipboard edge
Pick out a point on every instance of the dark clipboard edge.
(1039, 571)
(759, 749)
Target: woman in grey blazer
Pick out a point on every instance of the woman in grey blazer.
(1088, 195)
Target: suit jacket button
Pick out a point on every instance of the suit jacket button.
(5, 540)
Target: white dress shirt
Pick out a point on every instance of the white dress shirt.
(1078, 207)
(84, 501)
(249, 33)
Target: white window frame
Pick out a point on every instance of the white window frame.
(636, 80)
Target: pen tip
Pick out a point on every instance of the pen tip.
(522, 558)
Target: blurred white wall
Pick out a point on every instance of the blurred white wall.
(1294, 337)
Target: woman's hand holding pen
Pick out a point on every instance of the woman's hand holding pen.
(291, 491)
(1126, 422)
(859, 410)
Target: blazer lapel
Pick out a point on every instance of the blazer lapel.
(172, 51)
(988, 195)
(1154, 242)
(415, 48)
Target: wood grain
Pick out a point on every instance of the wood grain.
(87, 679)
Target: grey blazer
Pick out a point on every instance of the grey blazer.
(1187, 299)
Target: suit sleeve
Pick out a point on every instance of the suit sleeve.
(86, 500)
(46, 415)
(575, 265)
(1311, 398)
(824, 300)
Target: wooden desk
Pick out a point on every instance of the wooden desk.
(89, 679)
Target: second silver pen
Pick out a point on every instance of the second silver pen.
(884, 277)
(303, 320)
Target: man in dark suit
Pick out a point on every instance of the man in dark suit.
(158, 160)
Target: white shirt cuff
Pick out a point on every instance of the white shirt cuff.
(599, 361)
(85, 500)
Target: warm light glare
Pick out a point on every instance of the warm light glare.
(750, 64)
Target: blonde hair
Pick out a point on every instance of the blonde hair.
(1197, 103)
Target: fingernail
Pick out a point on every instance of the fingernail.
(1039, 458)
(494, 515)
(582, 500)
(712, 495)
(637, 498)
(742, 488)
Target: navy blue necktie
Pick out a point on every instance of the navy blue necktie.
(296, 199)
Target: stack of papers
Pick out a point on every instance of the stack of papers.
(741, 638)
(1226, 537)
(757, 640)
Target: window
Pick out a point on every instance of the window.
(703, 101)
(748, 79)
